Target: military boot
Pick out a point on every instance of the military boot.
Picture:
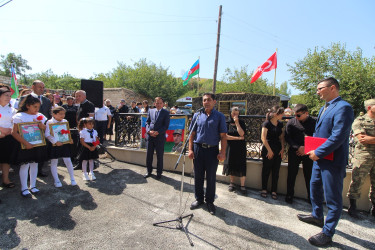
(352, 210)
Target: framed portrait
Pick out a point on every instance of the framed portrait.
(60, 131)
(32, 134)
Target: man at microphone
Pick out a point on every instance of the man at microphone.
(209, 130)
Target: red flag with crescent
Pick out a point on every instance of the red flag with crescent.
(268, 65)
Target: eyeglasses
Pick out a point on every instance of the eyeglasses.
(320, 89)
(299, 115)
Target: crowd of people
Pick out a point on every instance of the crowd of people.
(23, 146)
(213, 138)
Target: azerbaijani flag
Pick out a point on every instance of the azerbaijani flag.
(194, 70)
(13, 84)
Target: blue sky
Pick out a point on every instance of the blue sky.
(85, 37)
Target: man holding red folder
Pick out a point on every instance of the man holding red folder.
(334, 123)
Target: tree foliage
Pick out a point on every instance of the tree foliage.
(20, 64)
(355, 73)
(145, 78)
(238, 80)
(53, 81)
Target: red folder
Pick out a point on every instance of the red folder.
(312, 143)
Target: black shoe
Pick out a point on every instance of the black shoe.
(353, 212)
(196, 204)
(372, 211)
(26, 195)
(41, 174)
(211, 208)
(243, 191)
(308, 218)
(289, 199)
(147, 175)
(158, 177)
(320, 240)
(34, 190)
(231, 188)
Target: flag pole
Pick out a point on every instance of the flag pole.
(274, 79)
(199, 59)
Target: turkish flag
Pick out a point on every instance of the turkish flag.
(268, 65)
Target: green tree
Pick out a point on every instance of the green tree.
(20, 65)
(54, 81)
(145, 78)
(239, 81)
(355, 73)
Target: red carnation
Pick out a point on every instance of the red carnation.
(39, 118)
(63, 131)
(96, 143)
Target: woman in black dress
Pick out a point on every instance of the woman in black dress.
(235, 162)
(273, 149)
(109, 130)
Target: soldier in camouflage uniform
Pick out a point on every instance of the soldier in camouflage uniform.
(364, 157)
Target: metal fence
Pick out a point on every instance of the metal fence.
(128, 133)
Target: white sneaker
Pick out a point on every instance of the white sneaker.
(92, 176)
(58, 184)
(85, 177)
(73, 182)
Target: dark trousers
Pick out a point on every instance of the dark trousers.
(293, 166)
(268, 166)
(205, 163)
(158, 145)
(101, 127)
(326, 184)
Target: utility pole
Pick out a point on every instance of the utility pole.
(217, 50)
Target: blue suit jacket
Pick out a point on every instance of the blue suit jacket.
(335, 125)
(161, 124)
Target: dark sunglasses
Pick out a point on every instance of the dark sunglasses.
(299, 115)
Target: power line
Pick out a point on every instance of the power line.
(115, 21)
(139, 11)
(5, 3)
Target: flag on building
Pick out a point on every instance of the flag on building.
(268, 65)
(194, 70)
(13, 84)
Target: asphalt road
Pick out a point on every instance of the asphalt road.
(117, 211)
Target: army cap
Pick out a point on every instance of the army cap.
(177, 131)
(369, 102)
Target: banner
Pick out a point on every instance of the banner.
(175, 135)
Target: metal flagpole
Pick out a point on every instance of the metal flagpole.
(274, 79)
(199, 59)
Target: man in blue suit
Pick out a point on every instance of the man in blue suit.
(157, 124)
(334, 123)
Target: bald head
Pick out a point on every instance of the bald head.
(80, 96)
(38, 87)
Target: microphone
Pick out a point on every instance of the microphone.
(200, 110)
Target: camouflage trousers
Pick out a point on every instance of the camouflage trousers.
(361, 168)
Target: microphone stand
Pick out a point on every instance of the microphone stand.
(105, 149)
(180, 217)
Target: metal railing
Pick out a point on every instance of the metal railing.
(128, 134)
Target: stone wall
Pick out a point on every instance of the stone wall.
(5, 79)
(116, 94)
(256, 104)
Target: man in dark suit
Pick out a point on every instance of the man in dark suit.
(157, 124)
(45, 109)
(334, 123)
